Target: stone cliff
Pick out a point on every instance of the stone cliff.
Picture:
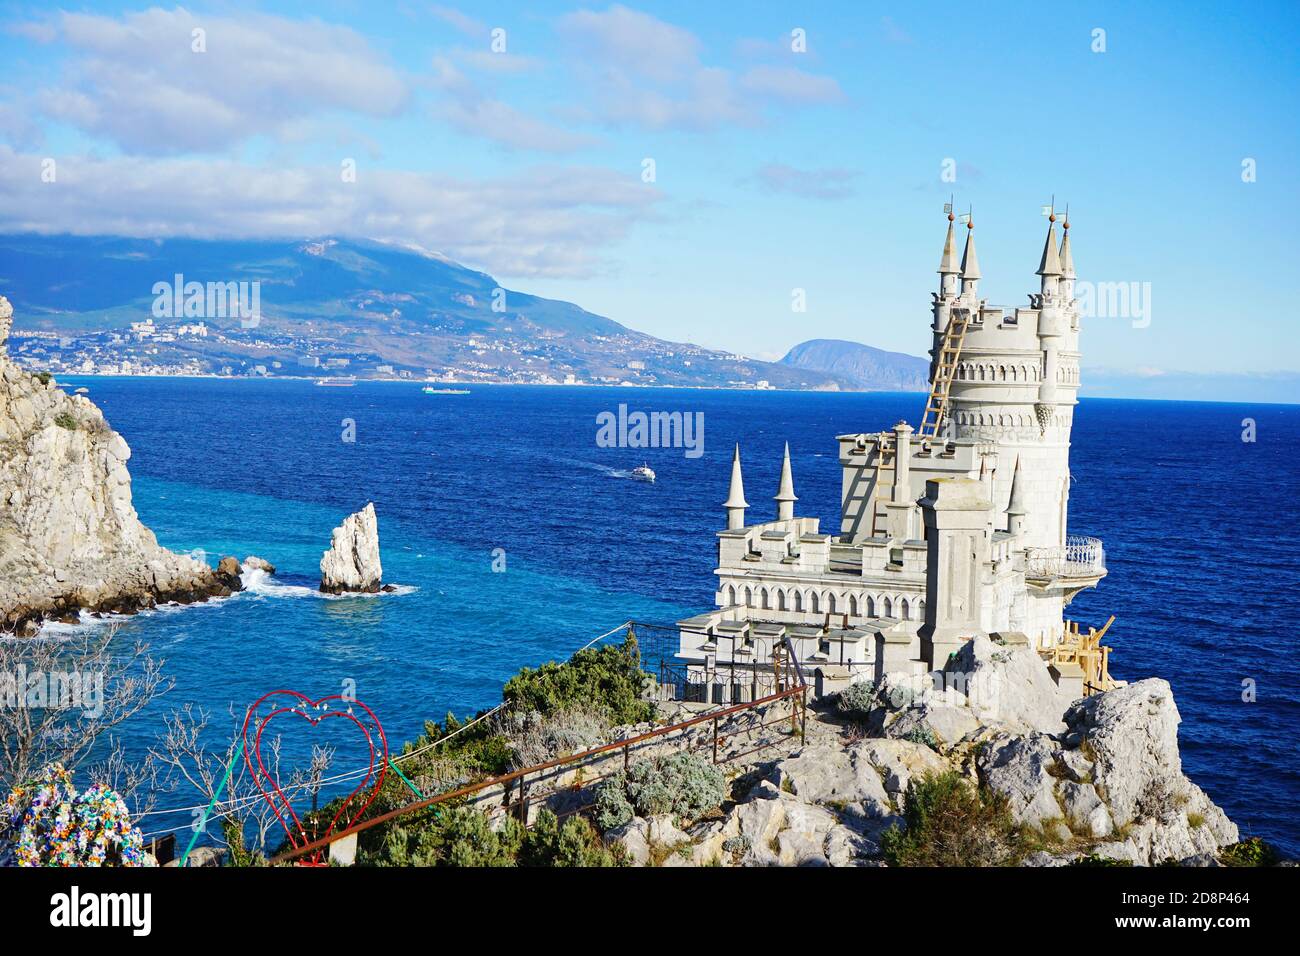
(69, 535)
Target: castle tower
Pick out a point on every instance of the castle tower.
(946, 297)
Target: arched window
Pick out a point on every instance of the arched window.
(830, 603)
(812, 599)
(905, 610)
(889, 608)
(853, 605)
(798, 600)
(731, 595)
(749, 597)
(780, 600)
(764, 593)
(871, 606)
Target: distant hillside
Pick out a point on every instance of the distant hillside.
(356, 307)
(864, 367)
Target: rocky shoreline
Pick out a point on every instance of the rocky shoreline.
(1097, 781)
(70, 539)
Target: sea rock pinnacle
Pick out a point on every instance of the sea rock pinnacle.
(352, 561)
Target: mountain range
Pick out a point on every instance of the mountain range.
(862, 366)
(353, 307)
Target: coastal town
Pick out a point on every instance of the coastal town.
(197, 348)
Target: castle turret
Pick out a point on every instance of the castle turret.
(785, 497)
(948, 268)
(970, 263)
(736, 503)
(1067, 262)
(1049, 267)
(1016, 504)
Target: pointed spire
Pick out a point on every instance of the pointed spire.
(970, 263)
(736, 503)
(1067, 260)
(1051, 262)
(785, 497)
(948, 264)
(1016, 503)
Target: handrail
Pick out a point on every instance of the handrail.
(798, 689)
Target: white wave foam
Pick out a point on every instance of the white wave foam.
(257, 582)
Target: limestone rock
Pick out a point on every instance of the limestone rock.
(1019, 768)
(827, 773)
(69, 536)
(634, 838)
(1007, 685)
(1085, 809)
(352, 562)
(254, 563)
(899, 761)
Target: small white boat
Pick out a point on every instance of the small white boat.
(643, 473)
(82, 391)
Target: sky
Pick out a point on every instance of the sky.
(699, 170)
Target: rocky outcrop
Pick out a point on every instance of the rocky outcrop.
(352, 561)
(69, 536)
(1100, 777)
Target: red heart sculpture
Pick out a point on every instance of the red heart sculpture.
(282, 702)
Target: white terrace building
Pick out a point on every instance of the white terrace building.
(956, 528)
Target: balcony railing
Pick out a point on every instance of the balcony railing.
(1080, 558)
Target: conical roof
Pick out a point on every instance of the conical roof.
(736, 494)
(786, 491)
(1050, 265)
(948, 264)
(970, 263)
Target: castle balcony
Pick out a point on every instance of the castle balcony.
(1080, 563)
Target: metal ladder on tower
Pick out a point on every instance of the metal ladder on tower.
(884, 459)
(936, 406)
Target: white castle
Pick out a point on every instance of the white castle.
(950, 530)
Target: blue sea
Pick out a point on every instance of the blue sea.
(1194, 519)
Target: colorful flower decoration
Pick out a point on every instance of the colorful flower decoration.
(57, 827)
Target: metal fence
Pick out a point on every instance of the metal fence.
(567, 785)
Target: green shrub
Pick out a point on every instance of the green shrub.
(1251, 852)
(64, 420)
(923, 735)
(682, 784)
(458, 836)
(43, 377)
(608, 678)
(949, 822)
(856, 701)
(464, 837)
(572, 843)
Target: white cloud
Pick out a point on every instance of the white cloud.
(460, 21)
(474, 112)
(650, 73)
(638, 42)
(138, 82)
(791, 85)
(830, 183)
(545, 221)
